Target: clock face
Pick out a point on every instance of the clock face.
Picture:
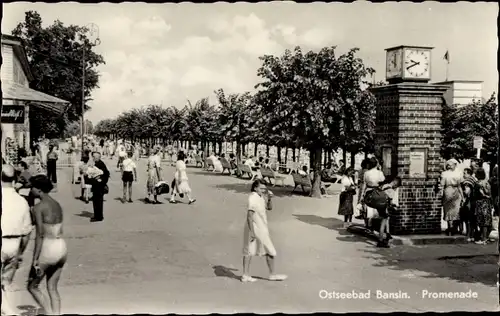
(394, 64)
(417, 63)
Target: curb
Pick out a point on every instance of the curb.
(411, 240)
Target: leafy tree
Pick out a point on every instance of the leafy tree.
(235, 118)
(201, 122)
(461, 124)
(55, 56)
(105, 128)
(310, 98)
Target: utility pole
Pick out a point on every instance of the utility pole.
(94, 30)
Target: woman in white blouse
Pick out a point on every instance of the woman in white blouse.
(371, 180)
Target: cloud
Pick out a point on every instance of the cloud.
(311, 38)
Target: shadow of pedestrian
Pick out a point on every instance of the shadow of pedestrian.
(222, 271)
(278, 191)
(327, 222)
(85, 214)
(28, 310)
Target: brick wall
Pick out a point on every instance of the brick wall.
(409, 116)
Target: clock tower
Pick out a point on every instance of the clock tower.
(408, 64)
(408, 138)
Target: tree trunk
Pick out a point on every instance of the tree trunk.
(315, 155)
(238, 153)
(353, 159)
(279, 154)
(294, 154)
(244, 149)
(344, 155)
(220, 148)
(255, 146)
(267, 150)
(286, 155)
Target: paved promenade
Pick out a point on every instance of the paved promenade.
(187, 258)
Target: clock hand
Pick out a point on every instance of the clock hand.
(411, 66)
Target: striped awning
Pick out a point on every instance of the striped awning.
(17, 92)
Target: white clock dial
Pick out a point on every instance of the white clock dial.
(393, 64)
(417, 64)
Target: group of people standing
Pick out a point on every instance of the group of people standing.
(93, 178)
(180, 184)
(469, 200)
(20, 215)
(371, 182)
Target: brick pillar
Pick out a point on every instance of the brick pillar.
(408, 129)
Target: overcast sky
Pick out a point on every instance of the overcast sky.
(166, 53)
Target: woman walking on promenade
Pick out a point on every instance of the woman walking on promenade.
(181, 180)
(50, 251)
(483, 205)
(257, 241)
(451, 181)
(154, 175)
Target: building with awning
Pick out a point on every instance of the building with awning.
(18, 97)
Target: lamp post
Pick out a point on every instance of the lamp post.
(94, 33)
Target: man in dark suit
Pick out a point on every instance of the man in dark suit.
(98, 187)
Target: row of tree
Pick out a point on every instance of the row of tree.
(314, 100)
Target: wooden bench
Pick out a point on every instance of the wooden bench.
(198, 160)
(209, 163)
(225, 165)
(245, 169)
(268, 173)
(303, 181)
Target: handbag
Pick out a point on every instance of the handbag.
(105, 190)
(376, 199)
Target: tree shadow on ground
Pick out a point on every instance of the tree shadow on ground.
(209, 173)
(330, 223)
(479, 268)
(85, 214)
(145, 201)
(245, 188)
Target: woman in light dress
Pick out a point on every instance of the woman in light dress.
(217, 165)
(451, 186)
(85, 185)
(256, 237)
(154, 175)
(181, 180)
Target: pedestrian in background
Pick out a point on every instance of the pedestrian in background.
(52, 157)
(129, 175)
(16, 225)
(154, 175)
(483, 205)
(346, 198)
(451, 186)
(467, 213)
(181, 180)
(99, 188)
